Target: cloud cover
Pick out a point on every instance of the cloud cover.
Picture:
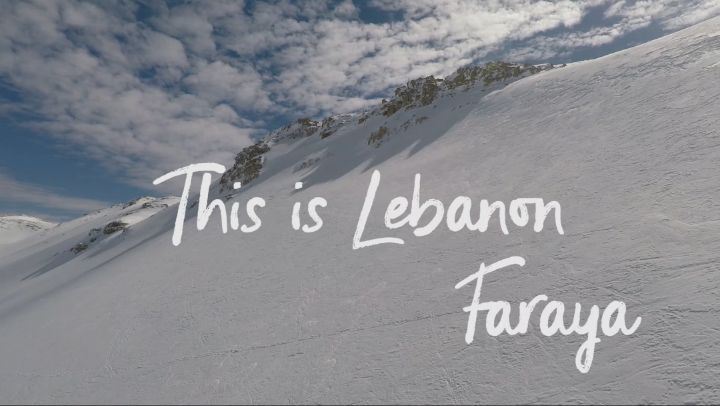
(146, 87)
(15, 191)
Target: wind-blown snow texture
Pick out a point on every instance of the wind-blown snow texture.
(628, 144)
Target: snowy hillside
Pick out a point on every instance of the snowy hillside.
(628, 143)
(85, 236)
(16, 228)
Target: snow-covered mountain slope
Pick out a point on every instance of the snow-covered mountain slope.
(16, 228)
(627, 143)
(88, 235)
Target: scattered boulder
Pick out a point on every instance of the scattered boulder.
(306, 164)
(364, 117)
(376, 137)
(300, 128)
(490, 73)
(248, 164)
(114, 226)
(416, 93)
(332, 124)
(326, 129)
(79, 247)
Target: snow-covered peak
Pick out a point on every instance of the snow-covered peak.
(299, 128)
(16, 228)
(92, 232)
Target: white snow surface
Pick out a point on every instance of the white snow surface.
(628, 144)
(17, 228)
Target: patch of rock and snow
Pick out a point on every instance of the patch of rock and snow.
(411, 105)
(86, 235)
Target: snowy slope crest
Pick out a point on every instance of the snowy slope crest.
(16, 228)
(411, 105)
(87, 235)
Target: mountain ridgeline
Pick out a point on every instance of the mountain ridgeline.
(414, 94)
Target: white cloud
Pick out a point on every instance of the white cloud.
(14, 191)
(162, 50)
(218, 82)
(83, 72)
(696, 12)
(194, 81)
(626, 17)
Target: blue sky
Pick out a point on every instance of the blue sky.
(99, 98)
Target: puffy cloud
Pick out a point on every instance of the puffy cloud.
(218, 81)
(147, 87)
(621, 18)
(161, 50)
(112, 86)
